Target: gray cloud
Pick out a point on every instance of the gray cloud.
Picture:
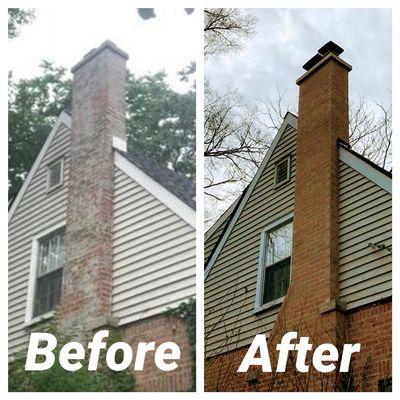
(287, 38)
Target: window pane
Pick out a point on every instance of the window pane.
(43, 257)
(279, 244)
(276, 281)
(48, 290)
(52, 253)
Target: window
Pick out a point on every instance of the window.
(282, 172)
(55, 175)
(51, 259)
(274, 265)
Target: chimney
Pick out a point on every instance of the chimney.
(311, 306)
(323, 119)
(98, 125)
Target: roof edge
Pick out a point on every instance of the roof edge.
(169, 199)
(366, 168)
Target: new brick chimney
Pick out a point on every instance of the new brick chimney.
(323, 119)
(98, 124)
(311, 306)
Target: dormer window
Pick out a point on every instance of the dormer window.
(282, 172)
(55, 175)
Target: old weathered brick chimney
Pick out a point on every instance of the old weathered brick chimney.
(311, 306)
(98, 124)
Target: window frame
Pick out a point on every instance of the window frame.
(49, 188)
(288, 159)
(259, 306)
(33, 275)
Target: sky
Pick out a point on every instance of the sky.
(287, 38)
(64, 36)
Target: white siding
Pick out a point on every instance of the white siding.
(154, 254)
(231, 285)
(365, 217)
(37, 211)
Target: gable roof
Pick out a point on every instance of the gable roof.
(290, 119)
(174, 182)
(177, 191)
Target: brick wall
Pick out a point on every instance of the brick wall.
(161, 328)
(371, 326)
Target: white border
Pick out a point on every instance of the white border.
(157, 190)
(289, 120)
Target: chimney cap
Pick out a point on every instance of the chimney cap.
(313, 61)
(108, 44)
(329, 47)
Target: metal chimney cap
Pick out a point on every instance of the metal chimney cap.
(313, 61)
(330, 47)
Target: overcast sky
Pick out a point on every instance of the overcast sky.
(287, 38)
(65, 35)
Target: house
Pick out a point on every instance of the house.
(306, 248)
(99, 235)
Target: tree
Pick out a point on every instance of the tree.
(17, 17)
(33, 106)
(226, 30)
(160, 121)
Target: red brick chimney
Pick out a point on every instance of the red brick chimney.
(311, 306)
(98, 123)
(323, 119)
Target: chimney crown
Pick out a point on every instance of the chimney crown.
(108, 44)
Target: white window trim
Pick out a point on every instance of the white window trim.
(277, 185)
(50, 165)
(29, 319)
(259, 306)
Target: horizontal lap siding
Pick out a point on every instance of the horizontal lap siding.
(213, 240)
(230, 287)
(37, 211)
(154, 253)
(365, 216)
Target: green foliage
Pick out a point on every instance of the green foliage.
(57, 379)
(160, 122)
(187, 312)
(16, 18)
(33, 106)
